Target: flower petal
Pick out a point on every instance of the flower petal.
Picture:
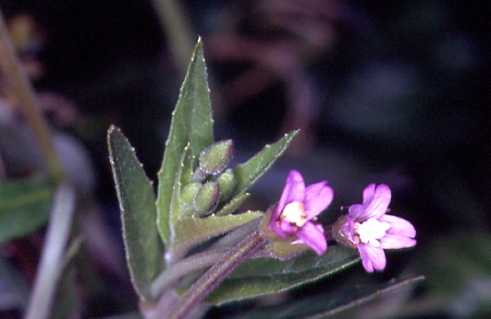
(273, 225)
(372, 257)
(375, 203)
(294, 191)
(368, 193)
(313, 236)
(390, 241)
(317, 197)
(347, 230)
(399, 226)
(287, 228)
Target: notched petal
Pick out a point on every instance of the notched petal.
(379, 202)
(294, 190)
(317, 198)
(373, 257)
(396, 242)
(399, 226)
(368, 193)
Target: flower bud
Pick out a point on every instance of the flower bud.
(227, 183)
(189, 191)
(206, 198)
(214, 159)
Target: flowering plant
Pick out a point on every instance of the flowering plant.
(297, 210)
(202, 250)
(368, 228)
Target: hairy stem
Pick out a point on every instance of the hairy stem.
(222, 268)
(183, 267)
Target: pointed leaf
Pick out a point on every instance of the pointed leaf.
(249, 172)
(193, 231)
(191, 123)
(24, 206)
(329, 305)
(138, 213)
(263, 276)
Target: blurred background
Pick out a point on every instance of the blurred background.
(393, 92)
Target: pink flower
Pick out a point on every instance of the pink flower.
(368, 228)
(297, 210)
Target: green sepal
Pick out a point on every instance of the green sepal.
(227, 183)
(206, 199)
(282, 250)
(214, 159)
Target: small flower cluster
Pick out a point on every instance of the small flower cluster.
(367, 226)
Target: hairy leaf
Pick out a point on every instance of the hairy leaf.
(266, 275)
(331, 304)
(192, 231)
(138, 213)
(182, 176)
(248, 173)
(191, 123)
(233, 204)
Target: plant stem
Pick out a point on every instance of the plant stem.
(10, 65)
(222, 268)
(51, 264)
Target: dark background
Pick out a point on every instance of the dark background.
(393, 92)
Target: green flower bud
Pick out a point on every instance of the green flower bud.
(189, 191)
(206, 200)
(214, 159)
(227, 183)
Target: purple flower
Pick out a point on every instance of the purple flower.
(371, 230)
(297, 210)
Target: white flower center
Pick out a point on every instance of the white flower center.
(294, 213)
(371, 231)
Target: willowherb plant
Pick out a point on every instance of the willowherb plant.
(191, 247)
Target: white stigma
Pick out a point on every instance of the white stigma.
(371, 231)
(294, 213)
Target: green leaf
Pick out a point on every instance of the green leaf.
(249, 172)
(24, 206)
(193, 231)
(191, 123)
(263, 276)
(233, 204)
(138, 213)
(328, 305)
(177, 205)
